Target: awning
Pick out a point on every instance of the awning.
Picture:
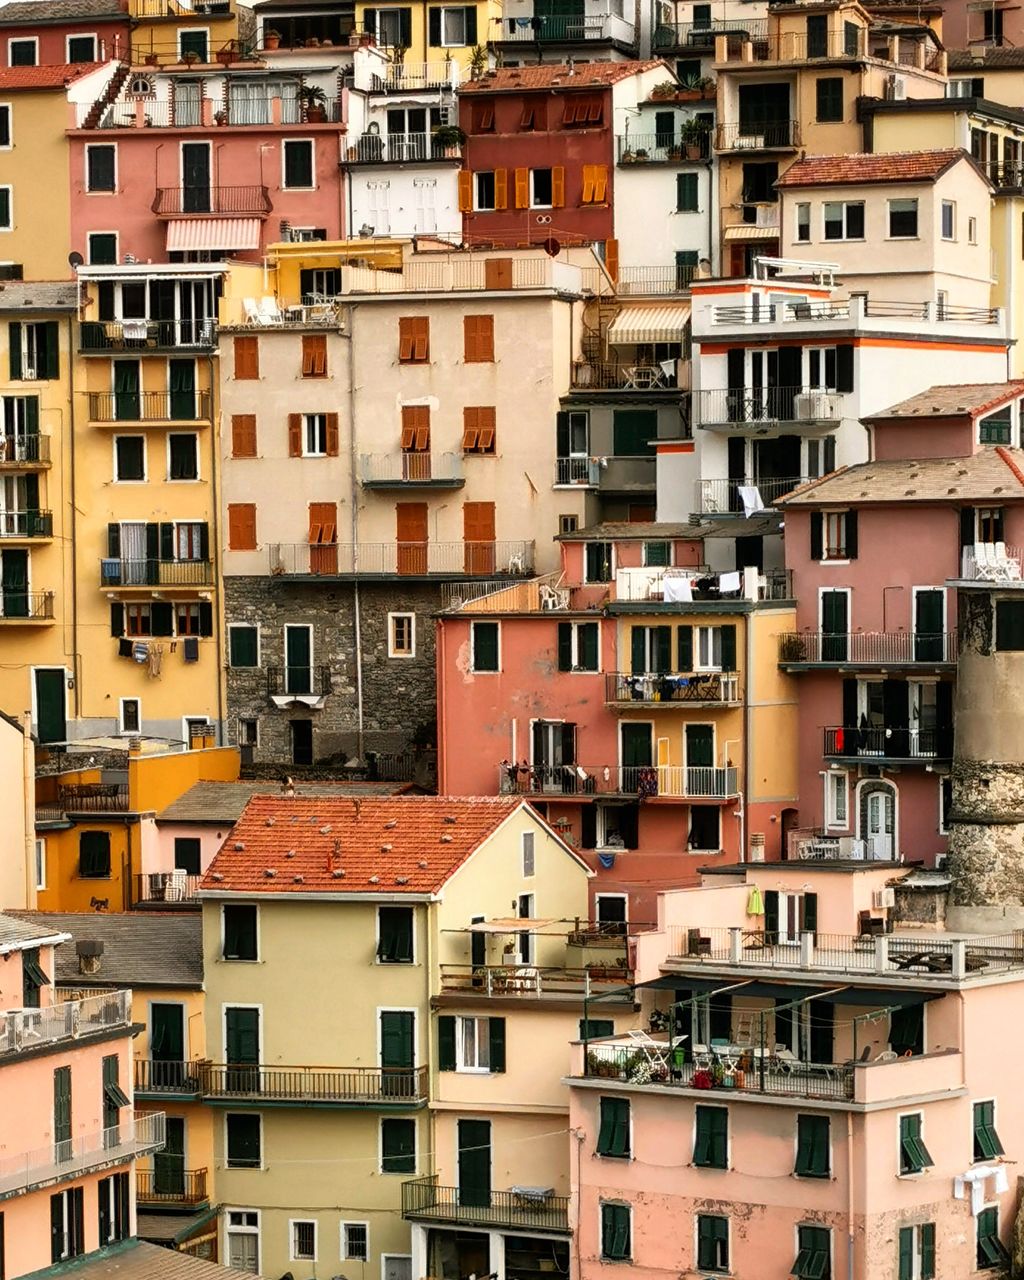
(649, 324)
(879, 998)
(699, 986)
(512, 924)
(747, 231)
(187, 234)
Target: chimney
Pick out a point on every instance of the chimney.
(89, 956)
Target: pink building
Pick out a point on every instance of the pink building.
(871, 549)
(811, 1091)
(71, 1137)
(87, 31)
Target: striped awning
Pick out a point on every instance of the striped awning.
(186, 234)
(649, 324)
(747, 231)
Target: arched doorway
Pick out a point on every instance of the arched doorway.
(876, 819)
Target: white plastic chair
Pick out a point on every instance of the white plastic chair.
(252, 311)
(269, 312)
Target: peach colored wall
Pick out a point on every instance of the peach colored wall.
(27, 1223)
(159, 855)
(840, 896)
(929, 438)
(11, 991)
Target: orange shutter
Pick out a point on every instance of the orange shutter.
(243, 435)
(487, 418)
(406, 337)
(611, 258)
(242, 526)
(557, 186)
(501, 188)
(470, 429)
(422, 343)
(497, 273)
(522, 188)
(600, 172)
(247, 357)
(314, 355)
(465, 191)
(588, 184)
(332, 435)
(479, 339)
(416, 427)
(323, 537)
(569, 114)
(593, 112)
(295, 435)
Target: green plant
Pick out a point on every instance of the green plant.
(448, 135)
(311, 95)
(706, 84)
(691, 83)
(477, 61)
(693, 131)
(666, 89)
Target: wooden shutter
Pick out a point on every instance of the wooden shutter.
(684, 645)
(332, 435)
(844, 367)
(295, 435)
(557, 186)
(498, 273)
(117, 620)
(771, 917)
(421, 342)
(416, 428)
(434, 28)
(465, 191)
(479, 339)
(817, 536)
(314, 355)
(611, 258)
(445, 1040)
(243, 435)
(479, 424)
(565, 646)
(496, 1043)
(242, 526)
(470, 429)
(161, 614)
(851, 535)
(729, 647)
(501, 188)
(478, 536)
(522, 188)
(14, 330)
(588, 184)
(247, 357)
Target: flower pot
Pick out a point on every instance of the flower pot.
(225, 57)
(271, 41)
(316, 115)
(692, 151)
(152, 60)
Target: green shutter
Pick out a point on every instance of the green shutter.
(613, 1135)
(986, 1141)
(564, 645)
(712, 1242)
(906, 1253)
(686, 193)
(243, 1141)
(615, 1232)
(47, 348)
(914, 1155)
(396, 1039)
(62, 1104)
(496, 1043)
(638, 650)
(587, 634)
(632, 432)
(710, 1147)
(595, 1028)
(14, 347)
(398, 1145)
(812, 1152)
(728, 647)
(684, 645)
(242, 646)
(32, 415)
(485, 646)
(927, 1251)
(662, 649)
(161, 614)
(446, 1043)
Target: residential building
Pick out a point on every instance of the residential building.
(990, 72)
(684, 33)
(73, 1140)
(655, 735)
(165, 34)
(422, 464)
(533, 31)
(412, 894)
(816, 1060)
(876, 646)
(19, 846)
(157, 959)
(87, 32)
(983, 33)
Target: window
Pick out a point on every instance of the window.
(187, 851)
(303, 1241)
(243, 435)
(595, 184)
(241, 526)
(194, 42)
(990, 1251)
(578, 646)
(541, 189)
(568, 524)
(833, 535)
(687, 200)
(596, 1028)
(903, 219)
(972, 230)
(34, 351)
(183, 455)
(5, 126)
(129, 458)
(715, 648)
(632, 432)
(243, 645)
(397, 1146)
(470, 1044)
(479, 429)
(40, 868)
(1009, 625)
(138, 619)
(247, 358)
(486, 195)
(101, 167)
(102, 247)
(82, 49)
(917, 1252)
(94, 855)
(483, 117)
(616, 1232)
(572, 445)
(478, 334)
(401, 635)
(613, 1138)
(314, 355)
(452, 28)
(244, 1140)
(395, 935)
(23, 53)
(813, 1254)
(992, 20)
(813, 1153)
(712, 1242)
(297, 154)
(836, 793)
(986, 1141)
(486, 646)
(582, 111)
(997, 428)
(355, 1242)
(830, 99)
(414, 339)
(6, 208)
(598, 562)
(966, 88)
(67, 1224)
(948, 220)
(33, 979)
(914, 1157)
(240, 932)
(711, 1137)
(843, 220)
(803, 223)
(114, 1208)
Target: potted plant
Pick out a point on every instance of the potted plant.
(666, 89)
(477, 61)
(793, 648)
(693, 136)
(226, 56)
(190, 59)
(675, 151)
(641, 154)
(152, 60)
(446, 140)
(707, 86)
(689, 89)
(220, 117)
(314, 103)
(627, 157)
(271, 39)
(702, 1079)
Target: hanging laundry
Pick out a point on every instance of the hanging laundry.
(190, 649)
(124, 648)
(156, 655)
(140, 651)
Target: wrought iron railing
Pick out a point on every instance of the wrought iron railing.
(104, 336)
(717, 497)
(701, 35)
(24, 448)
(25, 606)
(155, 1075)
(867, 648)
(172, 887)
(314, 1084)
(149, 406)
(163, 573)
(519, 1207)
(759, 135)
(305, 681)
(170, 1184)
(399, 148)
(196, 200)
(698, 782)
(423, 559)
(762, 406)
(887, 742)
(702, 687)
(660, 148)
(26, 524)
(94, 797)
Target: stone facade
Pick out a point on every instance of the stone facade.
(398, 693)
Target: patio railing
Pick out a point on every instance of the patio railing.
(518, 1207)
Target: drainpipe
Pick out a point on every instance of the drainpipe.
(28, 756)
(711, 212)
(218, 600)
(354, 525)
(849, 1196)
(748, 717)
(68, 429)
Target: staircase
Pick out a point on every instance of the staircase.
(110, 94)
(597, 317)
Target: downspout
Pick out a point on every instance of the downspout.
(440, 641)
(68, 429)
(748, 644)
(354, 525)
(29, 804)
(849, 1196)
(711, 214)
(219, 602)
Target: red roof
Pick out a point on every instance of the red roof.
(858, 169)
(554, 75)
(334, 844)
(53, 77)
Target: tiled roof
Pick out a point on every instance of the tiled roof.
(952, 400)
(16, 933)
(325, 844)
(38, 295)
(998, 56)
(624, 529)
(859, 169)
(31, 13)
(223, 802)
(55, 77)
(137, 1260)
(554, 75)
(140, 948)
(984, 476)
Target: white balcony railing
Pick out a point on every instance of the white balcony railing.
(22, 1029)
(138, 1135)
(422, 75)
(992, 562)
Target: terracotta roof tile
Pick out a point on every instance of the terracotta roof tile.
(988, 475)
(55, 77)
(858, 169)
(977, 60)
(329, 844)
(951, 401)
(33, 14)
(224, 802)
(584, 75)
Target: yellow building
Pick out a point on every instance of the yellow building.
(165, 32)
(342, 1099)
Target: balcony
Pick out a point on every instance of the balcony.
(768, 410)
(147, 113)
(876, 316)
(610, 474)
(776, 135)
(22, 1030)
(993, 562)
(647, 584)
(93, 797)
(398, 148)
(792, 46)
(149, 406)
(24, 452)
(701, 35)
(563, 29)
(702, 689)
(411, 471)
(402, 559)
(26, 524)
(886, 743)
(23, 607)
(520, 1208)
(807, 649)
(669, 782)
(653, 282)
(419, 77)
(174, 202)
(171, 1187)
(165, 889)
(530, 982)
(155, 573)
(660, 148)
(723, 497)
(299, 682)
(138, 1135)
(157, 1078)
(378, 1086)
(104, 337)
(615, 376)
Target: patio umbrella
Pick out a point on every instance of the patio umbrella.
(755, 903)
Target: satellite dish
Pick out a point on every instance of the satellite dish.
(75, 259)
(552, 247)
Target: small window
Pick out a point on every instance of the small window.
(240, 932)
(948, 220)
(138, 620)
(843, 220)
(243, 645)
(1010, 626)
(183, 454)
(33, 978)
(248, 732)
(972, 230)
(711, 1138)
(131, 715)
(6, 208)
(598, 566)
(687, 193)
(23, 53)
(298, 164)
(596, 1028)
(568, 524)
(813, 1254)
(712, 1242)
(997, 428)
(129, 458)
(479, 429)
(903, 219)
(485, 191)
(914, 1156)
(541, 189)
(830, 100)
(986, 1141)
(616, 1232)
(917, 1252)
(244, 1141)
(413, 339)
(355, 1242)
(303, 1241)
(40, 863)
(101, 168)
(803, 223)
(579, 646)
(613, 1137)
(813, 1148)
(314, 435)
(401, 635)
(473, 1043)
(314, 355)
(395, 935)
(835, 526)
(195, 42)
(102, 246)
(397, 1146)
(187, 854)
(836, 798)
(94, 855)
(991, 1252)
(529, 857)
(82, 49)
(486, 647)
(5, 126)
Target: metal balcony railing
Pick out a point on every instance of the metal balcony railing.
(149, 406)
(155, 573)
(701, 35)
(415, 559)
(796, 46)
(764, 406)
(417, 76)
(697, 782)
(138, 1134)
(519, 1207)
(703, 687)
(529, 980)
(719, 497)
(992, 562)
(640, 281)
(104, 336)
(660, 148)
(25, 606)
(171, 1184)
(580, 471)
(562, 27)
(26, 524)
(867, 648)
(94, 797)
(757, 136)
(16, 449)
(24, 1029)
(625, 376)
(399, 469)
(314, 1084)
(398, 148)
(153, 1075)
(302, 681)
(177, 201)
(887, 742)
(171, 887)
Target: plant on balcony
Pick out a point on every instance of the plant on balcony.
(793, 649)
(446, 139)
(666, 89)
(477, 61)
(641, 154)
(152, 60)
(702, 1080)
(314, 103)
(693, 134)
(271, 39)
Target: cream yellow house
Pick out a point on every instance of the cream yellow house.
(345, 1093)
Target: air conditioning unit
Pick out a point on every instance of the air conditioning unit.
(896, 88)
(812, 405)
(883, 899)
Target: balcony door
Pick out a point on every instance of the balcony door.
(636, 751)
(167, 1045)
(51, 704)
(14, 584)
(474, 1163)
(127, 395)
(765, 113)
(397, 1052)
(182, 381)
(929, 624)
(242, 1048)
(835, 625)
(411, 533)
(195, 177)
(478, 536)
(554, 748)
(169, 1163)
(298, 659)
(877, 818)
(188, 103)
